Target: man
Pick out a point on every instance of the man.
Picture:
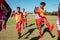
(24, 18)
(19, 18)
(58, 22)
(1, 19)
(6, 10)
(41, 19)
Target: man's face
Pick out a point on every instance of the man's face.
(42, 6)
(18, 9)
(23, 10)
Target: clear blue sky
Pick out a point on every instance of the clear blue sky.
(51, 5)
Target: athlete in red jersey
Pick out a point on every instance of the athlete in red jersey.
(24, 18)
(19, 20)
(41, 19)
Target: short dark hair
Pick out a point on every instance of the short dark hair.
(43, 3)
(18, 7)
(23, 8)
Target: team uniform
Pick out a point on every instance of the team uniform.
(58, 27)
(19, 20)
(41, 19)
(38, 16)
(58, 21)
(24, 16)
(24, 19)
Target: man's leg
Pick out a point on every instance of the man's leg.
(40, 33)
(49, 26)
(38, 24)
(26, 22)
(18, 29)
(6, 18)
(58, 30)
(58, 35)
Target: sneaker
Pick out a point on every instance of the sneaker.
(19, 34)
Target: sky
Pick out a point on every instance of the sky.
(29, 5)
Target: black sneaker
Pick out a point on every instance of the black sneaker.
(53, 36)
(19, 37)
(19, 34)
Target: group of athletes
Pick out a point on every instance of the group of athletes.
(21, 18)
